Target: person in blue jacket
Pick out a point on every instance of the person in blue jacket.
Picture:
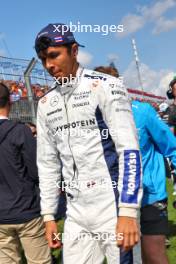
(156, 142)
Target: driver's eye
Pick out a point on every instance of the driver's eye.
(54, 55)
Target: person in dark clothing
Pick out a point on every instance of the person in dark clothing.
(170, 112)
(169, 116)
(20, 219)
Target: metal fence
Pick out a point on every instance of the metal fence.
(21, 111)
(12, 72)
(13, 69)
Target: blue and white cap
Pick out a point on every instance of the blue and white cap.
(57, 34)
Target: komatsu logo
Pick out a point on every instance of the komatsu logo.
(132, 176)
(132, 173)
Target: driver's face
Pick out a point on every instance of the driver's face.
(57, 61)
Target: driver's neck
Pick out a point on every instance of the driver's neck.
(72, 75)
(75, 68)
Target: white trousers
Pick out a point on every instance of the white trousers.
(89, 231)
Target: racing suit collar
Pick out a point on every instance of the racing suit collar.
(73, 84)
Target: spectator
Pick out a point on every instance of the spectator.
(171, 110)
(156, 142)
(20, 219)
(15, 93)
(108, 70)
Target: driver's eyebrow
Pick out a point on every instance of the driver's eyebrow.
(50, 54)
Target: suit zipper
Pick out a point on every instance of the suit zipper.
(74, 163)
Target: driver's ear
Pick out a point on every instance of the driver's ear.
(74, 50)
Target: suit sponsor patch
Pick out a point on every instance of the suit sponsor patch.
(131, 180)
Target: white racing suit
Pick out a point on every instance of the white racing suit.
(86, 133)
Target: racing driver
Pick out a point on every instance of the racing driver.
(86, 135)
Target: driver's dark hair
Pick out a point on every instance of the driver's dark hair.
(4, 95)
(44, 42)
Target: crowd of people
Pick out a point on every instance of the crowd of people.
(18, 90)
(99, 183)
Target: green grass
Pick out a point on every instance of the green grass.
(57, 252)
(172, 225)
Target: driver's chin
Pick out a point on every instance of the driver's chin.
(62, 77)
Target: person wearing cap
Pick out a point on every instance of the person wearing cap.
(102, 175)
(170, 118)
(170, 112)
